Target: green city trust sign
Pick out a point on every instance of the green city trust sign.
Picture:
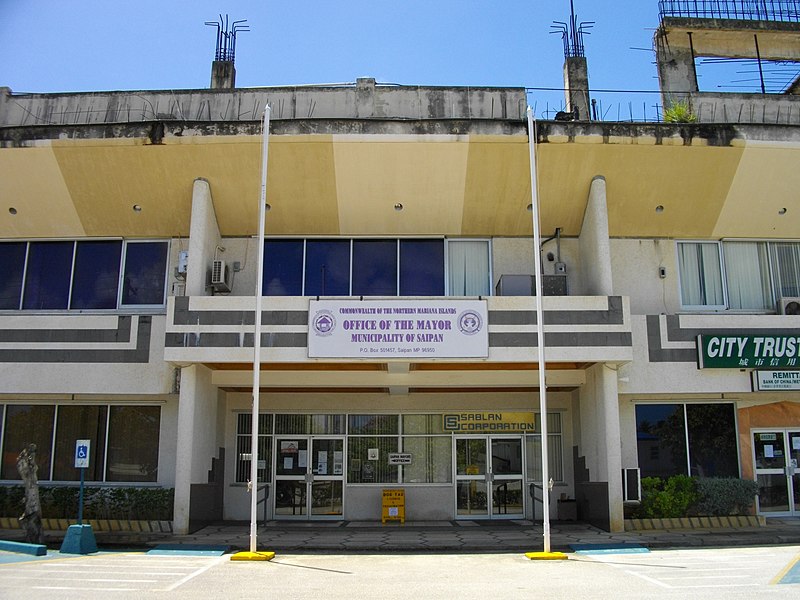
(747, 351)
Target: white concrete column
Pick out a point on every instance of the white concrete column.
(594, 243)
(609, 399)
(183, 453)
(198, 433)
(204, 237)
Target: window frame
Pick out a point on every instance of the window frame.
(398, 258)
(46, 477)
(687, 468)
(119, 306)
(773, 278)
(448, 293)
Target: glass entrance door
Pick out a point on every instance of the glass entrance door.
(777, 454)
(309, 477)
(489, 477)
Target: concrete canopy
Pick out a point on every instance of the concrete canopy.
(454, 185)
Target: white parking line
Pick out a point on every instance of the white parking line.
(106, 573)
(195, 574)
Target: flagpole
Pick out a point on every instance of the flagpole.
(537, 257)
(257, 335)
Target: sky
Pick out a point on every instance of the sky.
(102, 45)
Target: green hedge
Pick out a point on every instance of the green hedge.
(682, 496)
(126, 503)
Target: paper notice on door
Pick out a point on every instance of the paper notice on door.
(322, 462)
(302, 459)
(769, 451)
(287, 463)
(796, 442)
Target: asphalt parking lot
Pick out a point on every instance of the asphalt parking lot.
(744, 572)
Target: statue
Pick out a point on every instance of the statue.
(31, 518)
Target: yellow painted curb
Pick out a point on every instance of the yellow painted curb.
(546, 555)
(253, 556)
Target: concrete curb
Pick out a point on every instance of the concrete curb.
(23, 548)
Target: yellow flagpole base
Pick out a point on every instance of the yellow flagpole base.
(253, 556)
(546, 555)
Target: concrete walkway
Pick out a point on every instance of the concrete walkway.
(475, 536)
(440, 536)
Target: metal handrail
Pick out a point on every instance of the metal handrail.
(785, 11)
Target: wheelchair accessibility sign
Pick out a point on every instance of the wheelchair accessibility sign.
(82, 453)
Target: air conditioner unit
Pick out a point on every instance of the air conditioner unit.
(789, 306)
(631, 485)
(220, 276)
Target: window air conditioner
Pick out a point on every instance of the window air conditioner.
(220, 276)
(789, 306)
(631, 485)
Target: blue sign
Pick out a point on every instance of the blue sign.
(82, 453)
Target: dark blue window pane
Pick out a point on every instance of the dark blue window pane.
(421, 267)
(48, 276)
(374, 268)
(283, 268)
(96, 276)
(145, 273)
(12, 265)
(327, 268)
(712, 440)
(661, 440)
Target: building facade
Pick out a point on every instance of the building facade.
(399, 346)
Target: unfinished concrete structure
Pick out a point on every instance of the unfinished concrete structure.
(761, 31)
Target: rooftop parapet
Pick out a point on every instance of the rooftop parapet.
(364, 99)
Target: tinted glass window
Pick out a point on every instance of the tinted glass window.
(79, 423)
(327, 268)
(421, 268)
(133, 443)
(374, 268)
(283, 268)
(12, 266)
(145, 273)
(712, 440)
(26, 424)
(48, 277)
(96, 275)
(661, 439)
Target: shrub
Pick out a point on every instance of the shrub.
(722, 496)
(61, 502)
(679, 112)
(667, 499)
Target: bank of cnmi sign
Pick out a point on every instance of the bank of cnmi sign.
(732, 351)
(386, 329)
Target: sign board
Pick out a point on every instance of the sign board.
(82, 453)
(400, 458)
(472, 422)
(393, 506)
(385, 329)
(732, 351)
(768, 381)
